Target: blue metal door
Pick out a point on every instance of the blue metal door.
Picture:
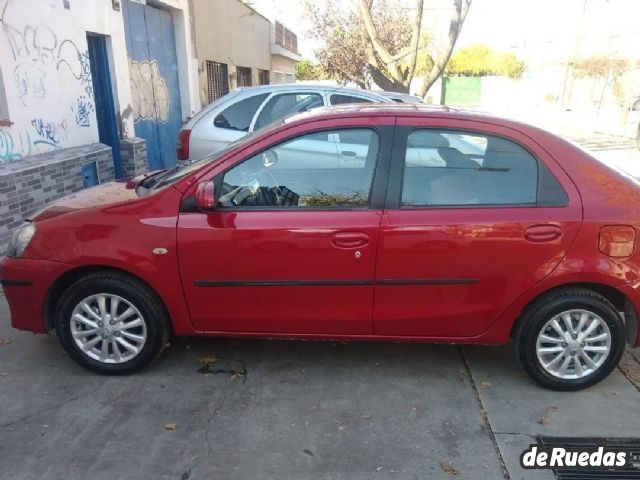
(103, 96)
(155, 88)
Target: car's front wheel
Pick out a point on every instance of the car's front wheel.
(111, 323)
(570, 339)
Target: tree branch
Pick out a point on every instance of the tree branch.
(415, 36)
(372, 33)
(455, 26)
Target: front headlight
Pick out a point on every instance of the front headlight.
(21, 238)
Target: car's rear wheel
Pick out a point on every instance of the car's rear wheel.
(111, 323)
(570, 339)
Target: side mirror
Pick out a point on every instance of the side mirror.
(269, 158)
(205, 196)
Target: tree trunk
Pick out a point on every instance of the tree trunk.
(386, 83)
(439, 64)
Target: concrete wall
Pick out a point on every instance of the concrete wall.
(284, 66)
(44, 66)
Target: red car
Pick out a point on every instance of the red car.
(369, 222)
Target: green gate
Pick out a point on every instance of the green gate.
(462, 91)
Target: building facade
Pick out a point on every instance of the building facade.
(237, 46)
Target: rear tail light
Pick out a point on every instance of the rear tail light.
(617, 240)
(182, 147)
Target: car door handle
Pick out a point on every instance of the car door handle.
(350, 239)
(542, 233)
(348, 153)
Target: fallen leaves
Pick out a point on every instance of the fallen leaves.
(235, 373)
(170, 426)
(486, 384)
(448, 469)
(545, 419)
(4, 341)
(207, 359)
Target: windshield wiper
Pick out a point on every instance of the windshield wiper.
(152, 179)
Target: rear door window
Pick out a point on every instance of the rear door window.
(239, 115)
(455, 168)
(339, 99)
(279, 106)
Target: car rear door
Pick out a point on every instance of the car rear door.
(476, 214)
(291, 248)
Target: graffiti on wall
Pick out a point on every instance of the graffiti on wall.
(14, 148)
(83, 110)
(46, 71)
(30, 83)
(77, 61)
(149, 91)
(48, 132)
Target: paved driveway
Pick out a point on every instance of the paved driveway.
(287, 409)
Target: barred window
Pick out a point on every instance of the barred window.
(217, 80)
(263, 77)
(244, 76)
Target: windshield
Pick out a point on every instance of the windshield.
(164, 178)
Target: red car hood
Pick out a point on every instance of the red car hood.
(110, 193)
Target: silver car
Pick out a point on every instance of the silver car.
(401, 97)
(246, 109)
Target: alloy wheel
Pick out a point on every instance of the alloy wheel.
(573, 344)
(108, 328)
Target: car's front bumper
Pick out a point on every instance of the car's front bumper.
(25, 283)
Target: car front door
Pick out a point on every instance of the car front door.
(476, 215)
(290, 248)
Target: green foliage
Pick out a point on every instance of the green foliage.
(481, 60)
(307, 70)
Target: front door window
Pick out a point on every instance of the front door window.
(319, 170)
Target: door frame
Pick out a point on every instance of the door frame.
(385, 126)
(406, 124)
(103, 97)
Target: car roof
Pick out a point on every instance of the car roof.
(405, 110)
(308, 86)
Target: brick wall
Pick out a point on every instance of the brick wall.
(28, 185)
(133, 155)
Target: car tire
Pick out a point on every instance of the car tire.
(543, 351)
(113, 311)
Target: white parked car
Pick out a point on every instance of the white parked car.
(246, 109)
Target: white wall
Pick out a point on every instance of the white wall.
(44, 64)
